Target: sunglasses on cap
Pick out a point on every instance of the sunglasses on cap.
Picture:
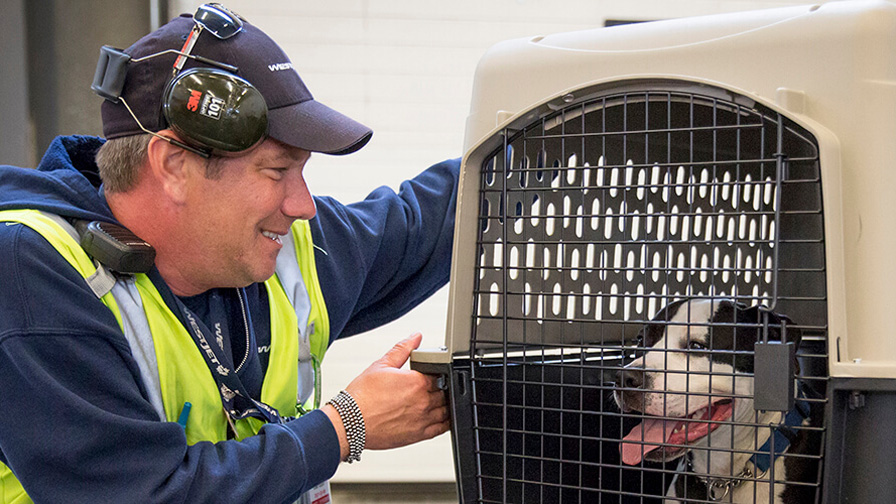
(215, 19)
(219, 20)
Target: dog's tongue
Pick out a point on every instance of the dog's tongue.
(644, 438)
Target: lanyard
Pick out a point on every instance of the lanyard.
(315, 371)
(238, 404)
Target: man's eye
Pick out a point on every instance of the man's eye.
(276, 173)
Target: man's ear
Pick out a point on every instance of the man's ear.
(168, 165)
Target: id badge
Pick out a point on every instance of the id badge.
(317, 495)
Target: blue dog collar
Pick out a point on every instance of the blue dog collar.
(779, 441)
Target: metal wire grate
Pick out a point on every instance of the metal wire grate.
(592, 219)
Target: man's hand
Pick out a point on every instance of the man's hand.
(400, 407)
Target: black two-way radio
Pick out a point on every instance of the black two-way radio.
(116, 247)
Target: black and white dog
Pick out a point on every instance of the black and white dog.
(692, 380)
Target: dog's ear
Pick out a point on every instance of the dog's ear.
(749, 321)
(778, 324)
(786, 331)
(758, 314)
(748, 315)
(780, 328)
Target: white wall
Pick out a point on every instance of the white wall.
(405, 68)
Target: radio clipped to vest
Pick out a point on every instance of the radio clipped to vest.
(116, 247)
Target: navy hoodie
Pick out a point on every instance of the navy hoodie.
(76, 424)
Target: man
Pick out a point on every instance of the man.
(189, 376)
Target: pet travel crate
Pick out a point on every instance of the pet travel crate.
(610, 172)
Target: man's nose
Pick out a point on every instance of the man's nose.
(298, 203)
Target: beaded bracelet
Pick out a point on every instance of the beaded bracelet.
(353, 421)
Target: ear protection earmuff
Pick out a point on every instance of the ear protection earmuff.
(215, 109)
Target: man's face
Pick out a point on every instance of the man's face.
(236, 217)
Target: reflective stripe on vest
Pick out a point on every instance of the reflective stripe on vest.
(172, 368)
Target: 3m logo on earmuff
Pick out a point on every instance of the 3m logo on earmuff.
(206, 104)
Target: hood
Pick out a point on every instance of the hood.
(65, 182)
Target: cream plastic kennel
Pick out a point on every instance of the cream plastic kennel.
(613, 171)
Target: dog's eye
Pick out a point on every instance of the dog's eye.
(696, 345)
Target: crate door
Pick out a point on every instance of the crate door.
(591, 220)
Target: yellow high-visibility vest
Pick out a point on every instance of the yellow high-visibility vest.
(299, 334)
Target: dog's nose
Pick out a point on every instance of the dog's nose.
(630, 378)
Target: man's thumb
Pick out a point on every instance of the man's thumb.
(399, 354)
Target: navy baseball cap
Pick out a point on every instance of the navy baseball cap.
(294, 117)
